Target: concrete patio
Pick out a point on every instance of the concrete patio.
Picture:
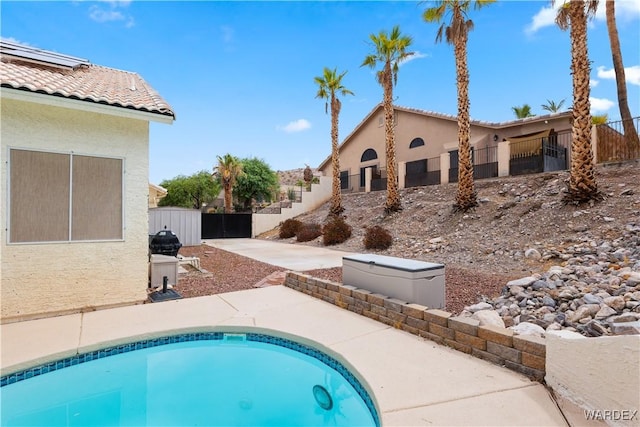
(413, 381)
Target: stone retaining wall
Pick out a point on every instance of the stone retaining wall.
(522, 353)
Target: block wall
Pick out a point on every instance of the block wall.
(522, 353)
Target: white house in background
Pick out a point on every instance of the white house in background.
(156, 193)
(74, 181)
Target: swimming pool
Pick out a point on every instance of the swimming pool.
(191, 379)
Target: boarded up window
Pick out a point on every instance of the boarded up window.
(61, 197)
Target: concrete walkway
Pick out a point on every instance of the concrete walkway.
(413, 381)
(286, 255)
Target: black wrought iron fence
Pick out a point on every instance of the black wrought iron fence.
(613, 145)
(379, 180)
(526, 157)
(422, 172)
(351, 184)
(542, 154)
(485, 163)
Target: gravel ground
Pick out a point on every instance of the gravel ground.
(463, 286)
(481, 250)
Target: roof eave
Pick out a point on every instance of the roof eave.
(24, 94)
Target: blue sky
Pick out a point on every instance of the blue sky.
(239, 75)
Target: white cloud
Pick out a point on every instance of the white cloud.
(295, 126)
(16, 41)
(631, 74)
(416, 55)
(626, 10)
(546, 17)
(111, 13)
(600, 105)
(593, 83)
(100, 15)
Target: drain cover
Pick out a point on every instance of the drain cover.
(322, 397)
(159, 296)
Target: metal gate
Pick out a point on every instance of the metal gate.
(226, 226)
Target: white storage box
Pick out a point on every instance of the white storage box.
(160, 266)
(409, 280)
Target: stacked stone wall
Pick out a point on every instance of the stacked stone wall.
(522, 353)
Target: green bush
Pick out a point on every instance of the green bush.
(308, 232)
(377, 237)
(336, 231)
(289, 228)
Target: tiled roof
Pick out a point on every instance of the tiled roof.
(87, 82)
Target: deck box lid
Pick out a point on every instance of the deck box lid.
(402, 264)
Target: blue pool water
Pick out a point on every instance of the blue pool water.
(197, 379)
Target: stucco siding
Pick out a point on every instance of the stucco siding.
(48, 278)
(440, 135)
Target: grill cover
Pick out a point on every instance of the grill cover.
(165, 242)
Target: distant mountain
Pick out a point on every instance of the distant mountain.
(291, 177)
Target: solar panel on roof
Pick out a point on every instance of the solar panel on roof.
(40, 55)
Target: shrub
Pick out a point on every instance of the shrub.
(289, 228)
(377, 237)
(308, 232)
(336, 231)
(291, 194)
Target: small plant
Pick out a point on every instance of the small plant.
(289, 228)
(377, 237)
(336, 231)
(308, 232)
(291, 194)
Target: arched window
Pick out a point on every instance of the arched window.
(369, 154)
(417, 142)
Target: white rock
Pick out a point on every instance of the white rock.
(585, 311)
(524, 282)
(488, 317)
(479, 306)
(526, 328)
(532, 254)
(435, 240)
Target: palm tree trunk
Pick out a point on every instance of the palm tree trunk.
(630, 132)
(393, 197)
(227, 197)
(582, 181)
(336, 195)
(466, 195)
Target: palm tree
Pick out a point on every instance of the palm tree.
(599, 119)
(522, 112)
(329, 84)
(229, 169)
(630, 132)
(582, 180)
(552, 107)
(389, 50)
(457, 34)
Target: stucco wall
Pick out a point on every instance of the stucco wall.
(598, 374)
(311, 200)
(51, 278)
(440, 135)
